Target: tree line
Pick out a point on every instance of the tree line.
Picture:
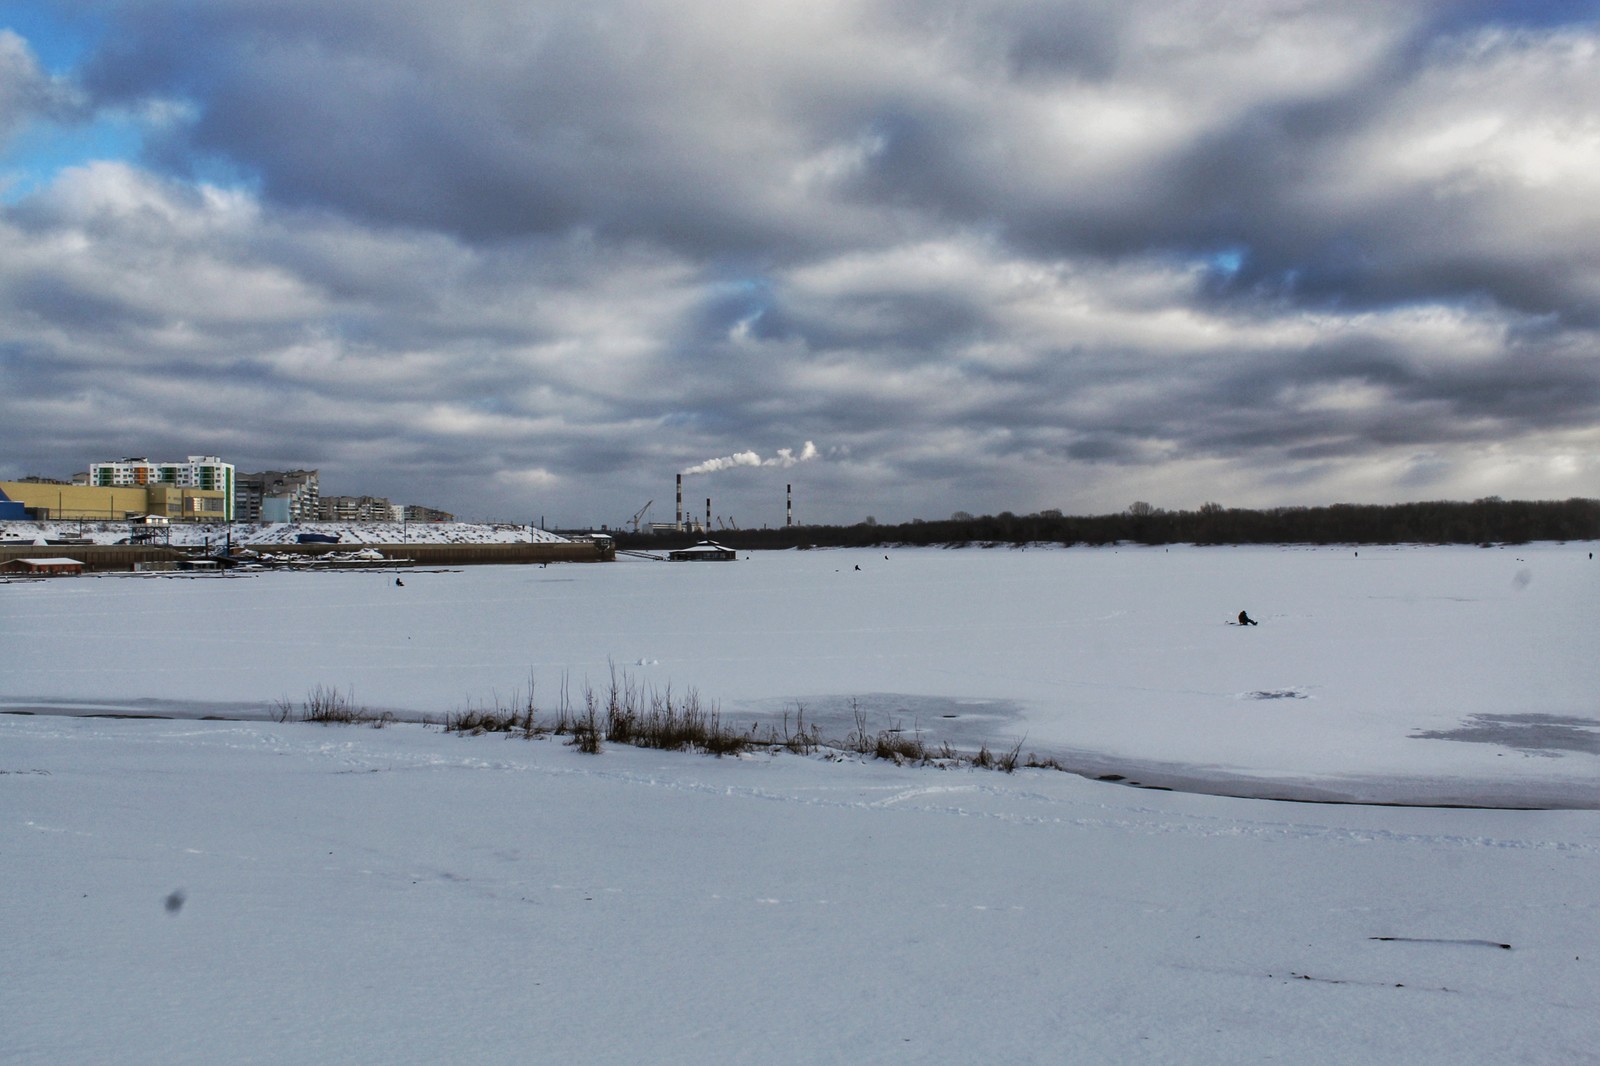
(1486, 521)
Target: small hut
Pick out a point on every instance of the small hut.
(43, 567)
(704, 552)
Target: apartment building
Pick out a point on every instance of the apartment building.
(278, 496)
(206, 473)
(415, 512)
(356, 509)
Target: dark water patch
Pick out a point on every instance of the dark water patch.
(1536, 734)
(1353, 790)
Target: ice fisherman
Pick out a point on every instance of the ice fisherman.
(1245, 619)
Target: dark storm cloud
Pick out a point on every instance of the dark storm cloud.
(1050, 40)
(490, 120)
(85, 311)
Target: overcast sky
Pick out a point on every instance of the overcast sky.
(521, 259)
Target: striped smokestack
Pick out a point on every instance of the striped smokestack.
(708, 516)
(678, 521)
(788, 505)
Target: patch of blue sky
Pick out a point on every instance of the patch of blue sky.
(59, 34)
(41, 150)
(34, 156)
(1544, 14)
(1226, 260)
(735, 305)
(61, 37)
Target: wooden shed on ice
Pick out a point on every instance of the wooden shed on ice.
(43, 567)
(704, 552)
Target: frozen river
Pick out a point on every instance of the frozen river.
(1407, 674)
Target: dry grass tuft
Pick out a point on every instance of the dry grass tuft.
(627, 712)
(329, 706)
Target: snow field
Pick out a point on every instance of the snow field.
(406, 896)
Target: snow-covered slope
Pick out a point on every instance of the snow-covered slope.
(193, 534)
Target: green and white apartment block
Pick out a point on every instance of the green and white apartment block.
(205, 472)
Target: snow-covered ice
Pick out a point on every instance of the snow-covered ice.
(190, 891)
(1375, 674)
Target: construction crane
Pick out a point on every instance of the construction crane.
(640, 513)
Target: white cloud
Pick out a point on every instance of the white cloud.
(27, 92)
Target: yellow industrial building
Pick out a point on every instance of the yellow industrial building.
(55, 502)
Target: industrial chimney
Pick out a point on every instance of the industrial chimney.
(788, 505)
(708, 516)
(678, 520)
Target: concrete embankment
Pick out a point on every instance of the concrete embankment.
(111, 557)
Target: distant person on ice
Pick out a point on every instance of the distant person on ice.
(1245, 619)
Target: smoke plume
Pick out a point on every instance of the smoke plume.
(785, 458)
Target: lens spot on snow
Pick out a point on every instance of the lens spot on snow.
(175, 901)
